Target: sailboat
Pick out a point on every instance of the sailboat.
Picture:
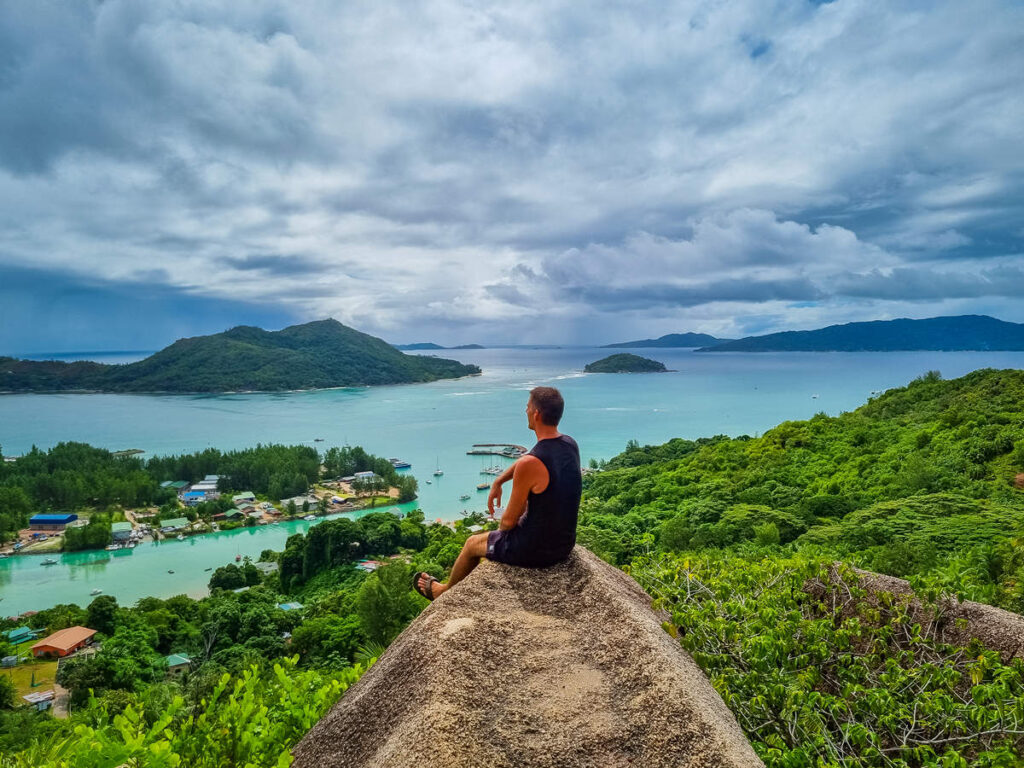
(438, 472)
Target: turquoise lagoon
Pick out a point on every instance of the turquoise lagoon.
(433, 425)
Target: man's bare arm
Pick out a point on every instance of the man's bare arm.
(494, 497)
(525, 477)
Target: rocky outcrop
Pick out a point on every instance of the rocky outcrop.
(564, 666)
(955, 621)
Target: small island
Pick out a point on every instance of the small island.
(625, 363)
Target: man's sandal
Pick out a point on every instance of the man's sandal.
(429, 594)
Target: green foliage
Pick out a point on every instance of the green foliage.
(7, 692)
(320, 354)
(385, 603)
(95, 535)
(126, 661)
(15, 509)
(72, 476)
(101, 614)
(343, 541)
(275, 471)
(957, 438)
(252, 719)
(231, 576)
(624, 362)
(328, 639)
(812, 686)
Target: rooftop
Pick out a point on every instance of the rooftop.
(67, 518)
(174, 522)
(177, 659)
(65, 639)
(121, 526)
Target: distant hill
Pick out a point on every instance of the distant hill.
(469, 346)
(966, 332)
(315, 355)
(671, 340)
(625, 363)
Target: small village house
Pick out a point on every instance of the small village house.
(177, 664)
(63, 642)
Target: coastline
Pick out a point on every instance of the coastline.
(213, 393)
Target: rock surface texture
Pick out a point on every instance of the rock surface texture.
(997, 629)
(564, 666)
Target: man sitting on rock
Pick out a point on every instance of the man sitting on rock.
(538, 527)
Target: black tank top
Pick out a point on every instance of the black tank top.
(549, 524)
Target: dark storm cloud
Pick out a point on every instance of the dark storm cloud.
(442, 167)
(97, 314)
(274, 264)
(735, 290)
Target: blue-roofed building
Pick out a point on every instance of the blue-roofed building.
(191, 498)
(51, 522)
(290, 606)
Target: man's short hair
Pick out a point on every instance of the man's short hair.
(549, 404)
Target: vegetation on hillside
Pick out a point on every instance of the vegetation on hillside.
(978, 332)
(623, 362)
(260, 675)
(725, 534)
(310, 356)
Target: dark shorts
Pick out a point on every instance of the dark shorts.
(511, 548)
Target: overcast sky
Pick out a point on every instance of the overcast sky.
(558, 172)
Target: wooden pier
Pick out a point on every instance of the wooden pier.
(508, 450)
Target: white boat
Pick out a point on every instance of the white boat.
(429, 482)
(180, 537)
(309, 517)
(49, 561)
(95, 591)
(438, 472)
(464, 497)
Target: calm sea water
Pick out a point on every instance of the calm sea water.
(433, 425)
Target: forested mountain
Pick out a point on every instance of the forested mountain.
(315, 355)
(965, 332)
(670, 340)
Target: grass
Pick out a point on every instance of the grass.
(21, 676)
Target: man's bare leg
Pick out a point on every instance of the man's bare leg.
(473, 551)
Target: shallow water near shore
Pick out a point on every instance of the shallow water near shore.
(433, 425)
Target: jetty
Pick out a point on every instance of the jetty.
(508, 450)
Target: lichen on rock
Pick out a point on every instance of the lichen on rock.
(562, 666)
